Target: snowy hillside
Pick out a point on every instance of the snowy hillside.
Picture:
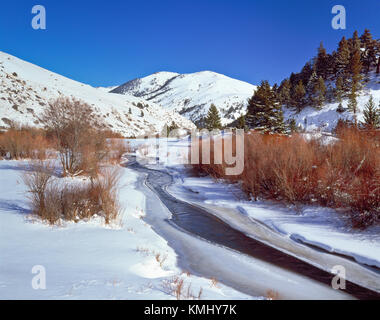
(192, 94)
(327, 118)
(106, 89)
(25, 89)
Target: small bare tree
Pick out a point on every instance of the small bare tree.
(72, 123)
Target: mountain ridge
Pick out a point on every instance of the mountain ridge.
(192, 94)
(26, 89)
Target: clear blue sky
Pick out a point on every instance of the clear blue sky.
(109, 42)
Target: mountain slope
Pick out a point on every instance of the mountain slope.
(326, 118)
(192, 94)
(25, 89)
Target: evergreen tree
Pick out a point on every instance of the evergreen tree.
(340, 108)
(241, 122)
(130, 111)
(369, 53)
(306, 73)
(212, 120)
(298, 99)
(355, 43)
(330, 64)
(320, 91)
(293, 128)
(353, 104)
(339, 91)
(284, 95)
(321, 62)
(342, 62)
(371, 115)
(311, 89)
(142, 114)
(170, 129)
(355, 68)
(264, 110)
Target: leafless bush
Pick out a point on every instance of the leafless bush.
(107, 185)
(54, 199)
(177, 287)
(272, 295)
(161, 259)
(36, 179)
(214, 282)
(80, 143)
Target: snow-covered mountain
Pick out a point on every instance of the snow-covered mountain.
(25, 90)
(192, 94)
(106, 89)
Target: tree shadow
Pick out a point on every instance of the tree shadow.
(12, 206)
(28, 167)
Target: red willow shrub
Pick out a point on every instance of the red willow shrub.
(342, 174)
(54, 200)
(24, 143)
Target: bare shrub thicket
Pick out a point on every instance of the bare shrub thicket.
(24, 143)
(343, 174)
(80, 143)
(117, 148)
(177, 287)
(54, 199)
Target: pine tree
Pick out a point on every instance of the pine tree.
(306, 73)
(130, 111)
(371, 115)
(240, 122)
(299, 93)
(330, 64)
(264, 110)
(284, 95)
(170, 129)
(355, 68)
(340, 108)
(342, 62)
(369, 53)
(353, 104)
(321, 62)
(212, 120)
(142, 114)
(339, 91)
(320, 91)
(311, 89)
(354, 43)
(293, 128)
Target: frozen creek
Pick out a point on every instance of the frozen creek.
(209, 247)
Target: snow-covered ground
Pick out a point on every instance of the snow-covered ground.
(88, 260)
